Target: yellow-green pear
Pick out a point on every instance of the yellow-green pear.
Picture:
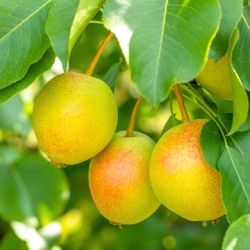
(74, 118)
(216, 78)
(181, 179)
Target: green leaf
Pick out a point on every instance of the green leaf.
(87, 9)
(237, 236)
(34, 71)
(241, 140)
(231, 15)
(13, 118)
(246, 13)
(31, 188)
(112, 74)
(58, 26)
(11, 241)
(240, 98)
(168, 44)
(235, 172)
(211, 143)
(22, 37)
(241, 52)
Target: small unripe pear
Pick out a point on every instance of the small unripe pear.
(216, 78)
(74, 118)
(180, 177)
(119, 179)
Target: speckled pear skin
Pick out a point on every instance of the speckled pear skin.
(216, 78)
(181, 179)
(119, 179)
(74, 118)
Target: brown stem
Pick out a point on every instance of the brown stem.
(132, 117)
(95, 60)
(181, 104)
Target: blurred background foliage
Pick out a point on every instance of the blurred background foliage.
(42, 207)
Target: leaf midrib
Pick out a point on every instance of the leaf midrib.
(161, 43)
(24, 21)
(234, 166)
(245, 21)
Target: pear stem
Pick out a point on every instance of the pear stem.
(132, 118)
(184, 113)
(96, 58)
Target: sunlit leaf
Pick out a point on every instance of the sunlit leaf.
(168, 44)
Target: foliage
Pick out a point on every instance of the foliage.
(159, 44)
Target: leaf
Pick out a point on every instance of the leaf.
(31, 188)
(168, 44)
(211, 143)
(13, 118)
(241, 52)
(237, 236)
(246, 14)
(11, 241)
(240, 98)
(241, 140)
(231, 15)
(171, 122)
(112, 74)
(58, 26)
(22, 37)
(87, 9)
(235, 172)
(34, 71)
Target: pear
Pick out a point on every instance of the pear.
(74, 118)
(216, 78)
(181, 179)
(119, 179)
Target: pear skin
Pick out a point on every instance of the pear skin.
(216, 78)
(74, 118)
(180, 177)
(119, 179)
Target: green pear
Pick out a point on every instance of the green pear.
(216, 78)
(74, 118)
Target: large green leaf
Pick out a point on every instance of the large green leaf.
(58, 26)
(22, 37)
(235, 171)
(241, 53)
(31, 188)
(170, 40)
(34, 71)
(246, 13)
(240, 98)
(231, 14)
(234, 168)
(237, 236)
(87, 9)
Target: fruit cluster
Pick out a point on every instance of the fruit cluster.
(75, 118)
